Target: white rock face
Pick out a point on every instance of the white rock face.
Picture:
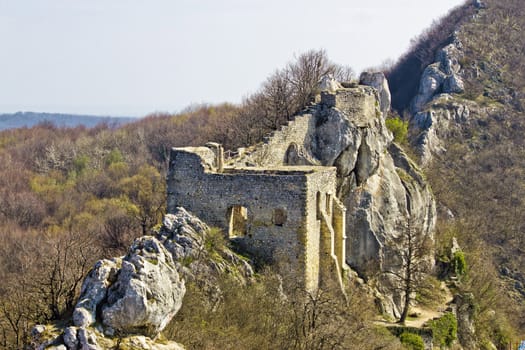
(94, 291)
(132, 298)
(430, 85)
(378, 81)
(442, 76)
(435, 112)
(436, 122)
(139, 293)
(147, 292)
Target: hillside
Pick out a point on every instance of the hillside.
(70, 197)
(30, 119)
(471, 141)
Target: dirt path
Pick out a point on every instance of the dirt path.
(424, 314)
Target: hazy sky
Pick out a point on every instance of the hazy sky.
(133, 57)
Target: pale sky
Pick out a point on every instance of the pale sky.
(133, 57)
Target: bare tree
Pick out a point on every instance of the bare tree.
(414, 264)
(283, 95)
(62, 266)
(307, 70)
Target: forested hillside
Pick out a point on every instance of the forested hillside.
(479, 177)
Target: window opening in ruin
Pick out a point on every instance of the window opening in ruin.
(279, 216)
(328, 203)
(238, 221)
(319, 204)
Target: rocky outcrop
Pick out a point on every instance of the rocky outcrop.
(378, 81)
(442, 76)
(380, 187)
(75, 338)
(186, 237)
(436, 111)
(139, 293)
(479, 4)
(465, 313)
(329, 83)
(444, 116)
(129, 300)
(125, 301)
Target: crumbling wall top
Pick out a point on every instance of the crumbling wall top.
(204, 159)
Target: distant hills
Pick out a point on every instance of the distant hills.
(29, 119)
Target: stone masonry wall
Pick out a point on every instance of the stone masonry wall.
(355, 102)
(320, 185)
(291, 192)
(273, 151)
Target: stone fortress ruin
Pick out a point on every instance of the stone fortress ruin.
(292, 200)
(288, 216)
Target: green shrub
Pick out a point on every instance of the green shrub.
(80, 163)
(459, 263)
(215, 240)
(444, 329)
(412, 341)
(115, 156)
(399, 128)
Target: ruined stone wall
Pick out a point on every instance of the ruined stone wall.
(315, 132)
(273, 151)
(319, 188)
(279, 205)
(356, 102)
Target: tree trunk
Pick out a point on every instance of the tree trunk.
(404, 314)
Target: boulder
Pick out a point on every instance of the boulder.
(129, 300)
(87, 339)
(70, 338)
(147, 292)
(94, 291)
(139, 293)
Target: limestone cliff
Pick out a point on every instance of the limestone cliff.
(382, 189)
(437, 111)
